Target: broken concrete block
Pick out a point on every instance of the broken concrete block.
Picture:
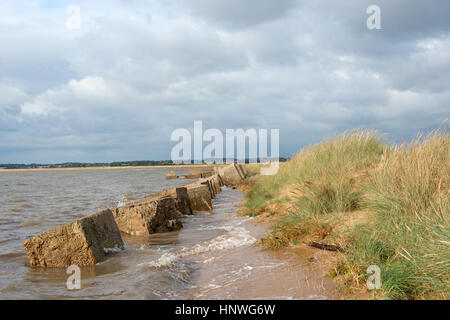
(179, 194)
(243, 169)
(82, 242)
(230, 175)
(207, 174)
(200, 197)
(239, 171)
(170, 175)
(208, 184)
(148, 216)
(216, 183)
(183, 203)
(212, 188)
(165, 193)
(219, 178)
(194, 176)
(195, 173)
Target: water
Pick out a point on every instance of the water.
(215, 255)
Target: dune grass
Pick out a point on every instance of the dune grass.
(386, 205)
(410, 238)
(317, 170)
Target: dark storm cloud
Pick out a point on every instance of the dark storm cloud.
(234, 14)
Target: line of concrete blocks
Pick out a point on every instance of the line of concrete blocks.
(194, 174)
(90, 239)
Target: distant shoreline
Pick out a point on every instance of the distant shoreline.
(183, 166)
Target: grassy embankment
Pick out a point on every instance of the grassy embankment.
(384, 205)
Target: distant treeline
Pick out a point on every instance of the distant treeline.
(136, 163)
(87, 164)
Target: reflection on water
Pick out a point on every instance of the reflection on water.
(213, 257)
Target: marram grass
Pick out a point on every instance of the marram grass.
(387, 205)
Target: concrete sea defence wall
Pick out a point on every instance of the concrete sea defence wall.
(88, 240)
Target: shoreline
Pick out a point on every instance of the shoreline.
(295, 264)
(183, 166)
(364, 203)
(318, 261)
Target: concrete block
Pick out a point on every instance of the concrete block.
(200, 197)
(148, 216)
(82, 242)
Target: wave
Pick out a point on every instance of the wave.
(236, 238)
(115, 249)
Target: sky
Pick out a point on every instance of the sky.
(115, 88)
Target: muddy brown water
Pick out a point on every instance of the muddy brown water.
(215, 255)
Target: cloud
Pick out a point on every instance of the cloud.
(117, 88)
(234, 14)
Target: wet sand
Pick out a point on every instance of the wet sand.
(253, 273)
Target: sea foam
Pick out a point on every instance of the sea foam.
(236, 237)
